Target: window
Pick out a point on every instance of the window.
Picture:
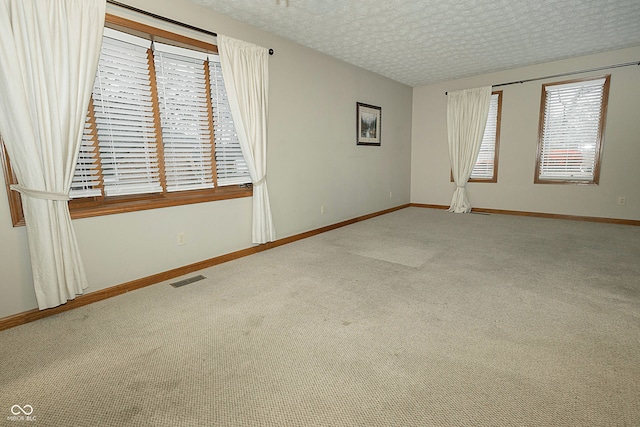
(572, 117)
(486, 167)
(158, 131)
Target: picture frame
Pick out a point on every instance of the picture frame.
(368, 124)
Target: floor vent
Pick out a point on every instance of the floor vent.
(187, 281)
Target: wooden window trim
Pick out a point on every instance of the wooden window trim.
(15, 204)
(156, 120)
(157, 34)
(98, 206)
(599, 140)
(96, 149)
(207, 84)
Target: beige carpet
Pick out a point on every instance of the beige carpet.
(415, 318)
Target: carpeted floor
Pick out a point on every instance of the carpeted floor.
(414, 318)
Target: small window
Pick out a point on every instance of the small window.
(486, 167)
(572, 118)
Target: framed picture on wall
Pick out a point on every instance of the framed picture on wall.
(369, 122)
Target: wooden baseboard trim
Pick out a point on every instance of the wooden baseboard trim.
(540, 215)
(35, 314)
(422, 205)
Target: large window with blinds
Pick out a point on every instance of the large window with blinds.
(158, 131)
(486, 166)
(572, 119)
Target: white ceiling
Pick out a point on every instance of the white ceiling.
(419, 42)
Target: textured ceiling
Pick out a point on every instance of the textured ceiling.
(419, 42)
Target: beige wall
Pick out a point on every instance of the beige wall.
(313, 160)
(620, 174)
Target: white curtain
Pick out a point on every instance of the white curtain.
(467, 112)
(246, 76)
(49, 54)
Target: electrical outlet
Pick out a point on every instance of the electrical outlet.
(323, 210)
(622, 201)
(390, 194)
(182, 240)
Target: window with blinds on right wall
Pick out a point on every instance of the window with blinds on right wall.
(572, 120)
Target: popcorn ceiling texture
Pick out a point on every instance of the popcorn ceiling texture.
(421, 42)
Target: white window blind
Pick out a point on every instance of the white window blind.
(124, 116)
(195, 126)
(184, 113)
(230, 164)
(571, 131)
(485, 164)
(86, 177)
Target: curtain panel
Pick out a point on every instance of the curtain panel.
(245, 70)
(467, 112)
(49, 54)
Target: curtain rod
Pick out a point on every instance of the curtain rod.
(165, 19)
(626, 64)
